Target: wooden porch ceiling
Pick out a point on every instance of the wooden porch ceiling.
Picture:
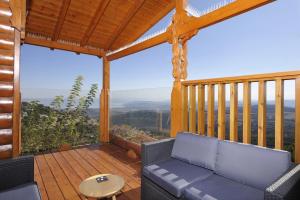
(91, 26)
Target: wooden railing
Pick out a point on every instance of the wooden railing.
(194, 109)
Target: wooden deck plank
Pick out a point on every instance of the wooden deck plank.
(103, 170)
(40, 183)
(53, 191)
(65, 186)
(59, 174)
(70, 173)
(88, 168)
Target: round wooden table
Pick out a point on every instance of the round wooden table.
(109, 188)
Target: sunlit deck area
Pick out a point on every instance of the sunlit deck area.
(59, 174)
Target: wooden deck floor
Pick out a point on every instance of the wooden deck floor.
(59, 174)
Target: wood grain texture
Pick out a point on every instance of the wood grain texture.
(59, 174)
(16, 115)
(104, 102)
(185, 109)
(279, 113)
(211, 110)
(289, 75)
(233, 112)
(247, 113)
(221, 111)
(61, 19)
(192, 109)
(262, 125)
(201, 109)
(297, 120)
(233, 9)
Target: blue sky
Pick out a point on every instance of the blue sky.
(260, 41)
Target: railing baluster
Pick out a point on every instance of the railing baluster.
(297, 120)
(211, 110)
(233, 112)
(262, 114)
(201, 107)
(185, 111)
(192, 109)
(221, 111)
(279, 114)
(247, 112)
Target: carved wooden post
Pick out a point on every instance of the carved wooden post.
(179, 68)
(104, 102)
(176, 99)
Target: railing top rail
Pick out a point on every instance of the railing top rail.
(251, 78)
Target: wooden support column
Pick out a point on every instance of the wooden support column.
(176, 96)
(179, 61)
(16, 129)
(104, 102)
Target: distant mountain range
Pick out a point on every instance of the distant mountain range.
(138, 99)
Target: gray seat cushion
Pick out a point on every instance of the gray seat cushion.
(196, 149)
(252, 165)
(219, 188)
(175, 175)
(24, 192)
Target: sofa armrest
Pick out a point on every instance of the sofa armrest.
(16, 171)
(286, 187)
(156, 151)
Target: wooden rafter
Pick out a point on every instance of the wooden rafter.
(131, 13)
(159, 39)
(63, 46)
(62, 15)
(94, 22)
(226, 12)
(233, 9)
(152, 22)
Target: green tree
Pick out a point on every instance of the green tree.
(48, 127)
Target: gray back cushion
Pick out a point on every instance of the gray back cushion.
(251, 165)
(196, 149)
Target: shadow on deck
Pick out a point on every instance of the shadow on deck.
(59, 174)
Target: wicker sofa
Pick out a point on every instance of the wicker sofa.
(17, 179)
(205, 168)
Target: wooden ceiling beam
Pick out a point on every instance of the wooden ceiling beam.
(159, 39)
(150, 23)
(131, 13)
(63, 46)
(233, 9)
(61, 19)
(94, 22)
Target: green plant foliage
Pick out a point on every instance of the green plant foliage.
(48, 127)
